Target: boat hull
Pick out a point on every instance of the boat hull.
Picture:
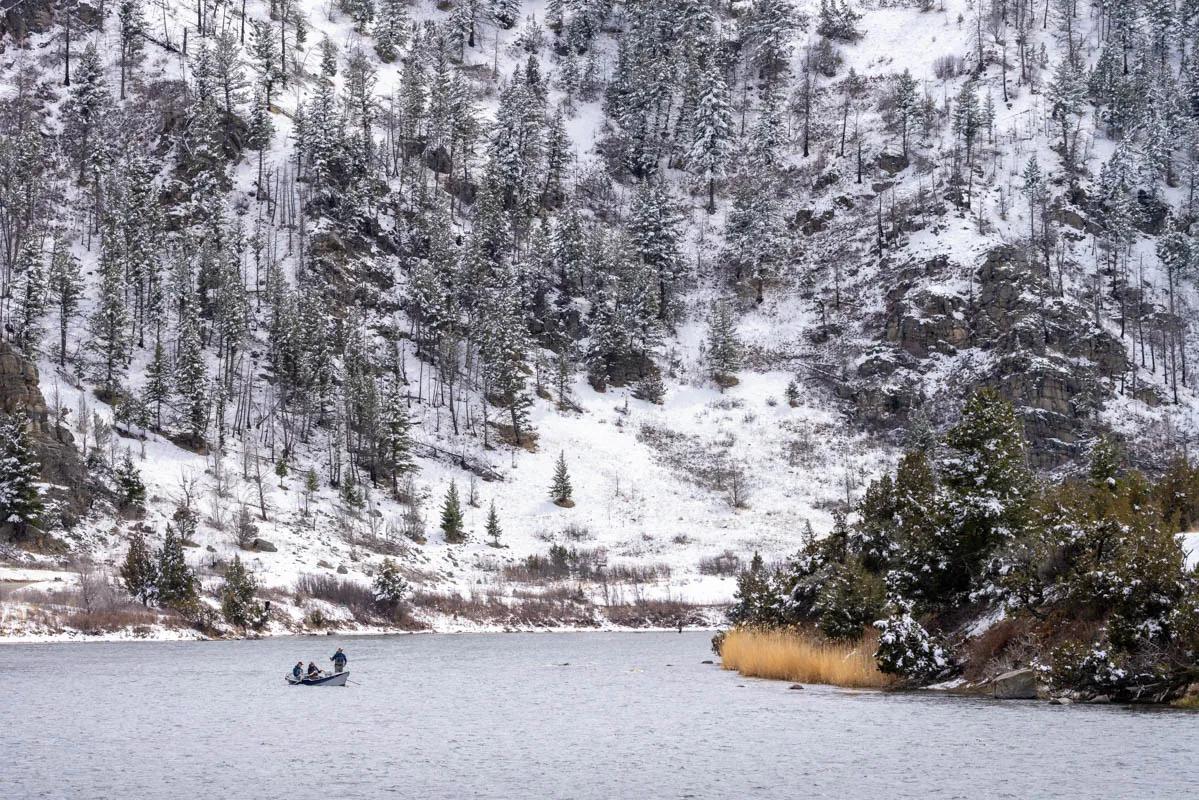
(335, 679)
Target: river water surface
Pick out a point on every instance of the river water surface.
(571, 715)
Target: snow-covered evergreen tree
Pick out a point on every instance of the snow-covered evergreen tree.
(451, 516)
(561, 489)
(21, 504)
(724, 347)
(239, 606)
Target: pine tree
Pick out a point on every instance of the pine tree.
(138, 573)
(754, 243)
(131, 23)
(906, 649)
(771, 27)
(754, 601)
(724, 349)
(654, 224)
(451, 516)
(238, 605)
(560, 489)
(389, 585)
(131, 491)
(328, 58)
(65, 285)
(177, 585)
(85, 112)
(1105, 463)
(557, 156)
(361, 11)
(907, 105)
(1034, 190)
(504, 347)
(281, 471)
(712, 133)
(191, 378)
(391, 29)
(21, 504)
(157, 389)
(987, 484)
(838, 20)
(110, 322)
(394, 435)
(1067, 94)
(967, 118)
(229, 77)
(265, 56)
(30, 297)
(493, 525)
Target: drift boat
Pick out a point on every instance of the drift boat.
(325, 679)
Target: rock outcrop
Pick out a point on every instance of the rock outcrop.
(1006, 327)
(61, 466)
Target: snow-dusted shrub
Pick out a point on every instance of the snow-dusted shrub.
(1092, 667)
(906, 649)
(389, 585)
(725, 564)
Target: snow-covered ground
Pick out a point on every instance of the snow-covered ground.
(643, 490)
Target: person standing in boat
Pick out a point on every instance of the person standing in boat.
(339, 661)
(297, 671)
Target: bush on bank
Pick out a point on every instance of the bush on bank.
(963, 529)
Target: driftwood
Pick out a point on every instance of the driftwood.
(468, 463)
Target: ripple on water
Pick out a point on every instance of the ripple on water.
(504, 716)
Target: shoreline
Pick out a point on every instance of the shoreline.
(170, 635)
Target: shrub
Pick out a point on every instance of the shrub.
(389, 585)
(238, 605)
(947, 67)
(359, 599)
(909, 651)
(727, 564)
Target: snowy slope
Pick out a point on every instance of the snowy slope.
(638, 469)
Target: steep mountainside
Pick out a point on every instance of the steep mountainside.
(305, 269)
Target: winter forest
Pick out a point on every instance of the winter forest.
(408, 313)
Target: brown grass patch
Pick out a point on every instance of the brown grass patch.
(803, 658)
(115, 619)
(654, 614)
(528, 438)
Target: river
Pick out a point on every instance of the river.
(555, 715)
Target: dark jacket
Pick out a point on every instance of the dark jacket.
(297, 671)
(339, 658)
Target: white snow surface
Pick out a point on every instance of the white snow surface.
(633, 464)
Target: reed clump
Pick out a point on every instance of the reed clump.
(802, 657)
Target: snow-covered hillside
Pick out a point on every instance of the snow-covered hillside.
(883, 255)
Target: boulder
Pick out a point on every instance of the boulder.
(891, 163)
(824, 181)
(1018, 684)
(438, 160)
(263, 546)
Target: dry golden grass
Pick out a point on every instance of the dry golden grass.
(803, 658)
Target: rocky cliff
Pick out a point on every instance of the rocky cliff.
(61, 466)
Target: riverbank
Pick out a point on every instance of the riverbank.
(30, 615)
(803, 657)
